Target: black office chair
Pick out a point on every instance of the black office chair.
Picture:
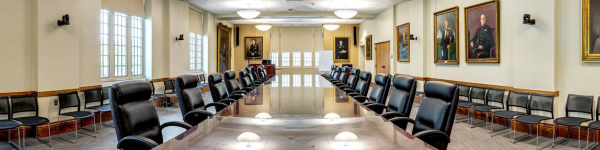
(233, 86)
(265, 72)
(595, 126)
(29, 103)
(575, 104)
(362, 86)
(135, 116)
(401, 99)
(105, 93)
(94, 95)
(155, 96)
(435, 118)
(463, 96)
(191, 101)
(336, 75)
(170, 87)
(352, 80)
(515, 99)
(9, 124)
(330, 71)
(476, 93)
(253, 79)
(245, 80)
(343, 78)
(70, 100)
(218, 89)
(255, 76)
(261, 72)
(493, 95)
(537, 102)
(379, 91)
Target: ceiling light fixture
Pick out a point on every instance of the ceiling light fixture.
(345, 13)
(263, 27)
(248, 13)
(331, 26)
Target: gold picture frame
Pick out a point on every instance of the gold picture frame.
(398, 41)
(455, 33)
(369, 47)
(344, 46)
(587, 51)
(496, 32)
(223, 47)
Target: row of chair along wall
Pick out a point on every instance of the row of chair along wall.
(545, 127)
(46, 98)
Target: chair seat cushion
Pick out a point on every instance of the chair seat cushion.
(468, 104)
(170, 93)
(203, 85)
(102, 108)
(157, 96)
(531, 119)
(8, 124)
(594, 125)
(570, 121)
(32, 121)
(507, 114)
(79, 114)
(485, 108)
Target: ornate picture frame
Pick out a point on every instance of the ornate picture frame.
(403, 42)
(223, 48)
(590, 39)
(369, 47)
(482, 32)
(341, 48)
(448, 36)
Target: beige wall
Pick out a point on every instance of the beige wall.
(343, 30)
(16, 41)
(239, 57)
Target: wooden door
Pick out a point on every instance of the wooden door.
(382, 58)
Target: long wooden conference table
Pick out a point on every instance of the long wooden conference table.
(297, 105)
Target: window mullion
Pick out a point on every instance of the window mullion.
(129, 47)
(111, 45)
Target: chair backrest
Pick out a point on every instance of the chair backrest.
(169, 85)
(344, 74)
(437, 108)
(249, 74)
(68, 100)
(517, 99)
(244, 78)
(580, 104)
(353, 78)
(332, 70)
(5, 106)
(380, 90)
(363, 85)
(190, 96)
(133, 112)
(152, 86)
(541, 102)
(597, 110)
(218, 89)
(464, 90)
(93, 95)
(337, 73)
(495, 95)
(106, 88)
(230, 82)
(202, 78)
(260, 72)
(253, 72)
(402, 94)
(24, 103)
(477, 92)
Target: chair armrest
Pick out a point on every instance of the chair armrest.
(227, 101)
(400, 120)
(195, 119)
(258, 81)
(369, 102)
(349, 91)
(353, 94)
(340, 84)
(136, 142)
(435, 138)
(235, 96)
(359, 98)
(218, 106)
(239, 92)
(176, 123)
(377, 107)
(336, 81)
(247, 89)
(390, 115)
(344, 87)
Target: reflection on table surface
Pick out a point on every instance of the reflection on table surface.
(297, 104)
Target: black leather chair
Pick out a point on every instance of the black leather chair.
(265, 72)
(29, 103)
(362, 86)
(352, 80)
(255, 76)
(493, 95)
(70, 100)
(218, 89)
(253, 79)
(515, 99)
(8, 124)
(336, 74)
(401, 99)
(343, 78)
(245, 80)
(191, 101)
(476, 93)
(541, 103)
(595, 126)
(135, 116)
(261, 72)
(155, 96)
(379, 91)
(435, 118)
(463, 96)
(330, 71)
(95, 95)
(233, 86)
(575, 104)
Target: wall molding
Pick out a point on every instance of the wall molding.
(162, 79)
(50, 93)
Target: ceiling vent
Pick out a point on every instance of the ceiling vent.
(293, 2)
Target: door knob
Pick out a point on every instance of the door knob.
(382, 66)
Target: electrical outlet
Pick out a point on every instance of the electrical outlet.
(55, 102)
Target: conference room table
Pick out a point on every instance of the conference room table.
(297, 105)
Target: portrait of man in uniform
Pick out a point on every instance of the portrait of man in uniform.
(446, 36)
(590, 21)
(369, 50)
(403, 47)
(481, 32)
(341, 48)
(253, 48)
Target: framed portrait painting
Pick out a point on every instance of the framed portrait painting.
(341, 50)
(223, 47)
(482, 33)
(446, 35)
(403, 41)
(254, 47)
(590, 34)
(369, 46)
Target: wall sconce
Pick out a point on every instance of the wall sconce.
(179, 38)
(64, 21)
(412, 37)
(527, 19)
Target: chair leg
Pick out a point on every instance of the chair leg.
(537, 138)
(530, 130)
(492, 127)
(587, 142)
(95, 135)
(99, 112)
(76, 130)
(24, 137)
(553, 134)
(579, 137)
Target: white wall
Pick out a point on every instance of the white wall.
(16, 41)
(380, 29)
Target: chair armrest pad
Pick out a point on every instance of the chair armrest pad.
(343, 87)
(248, 89)
(390, 115)
(374, 105)
(399, 120)
(433, 137)
(218, 106)
(176, 123)
(196, 112)
(368, 103)
(227, 101)
(134, 141)
(353, 94)
(239, 92)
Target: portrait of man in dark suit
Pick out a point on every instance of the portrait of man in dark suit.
(253, 48)
(481, 33)
(341, 49)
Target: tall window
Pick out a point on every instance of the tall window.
(136, 45)
(297, 80)
(192, 51)
(199, 56)
(317, 59)
(275, 81)
(275, 59)
(285, 80)
(104, 64)
(307, 59)
(121, 45)
(308, 80)
(285, 59)
(296, 59)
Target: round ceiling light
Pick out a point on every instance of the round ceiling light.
(331, 27)
(248, 14)
(345, 14)
(263, 27)
(248, 137)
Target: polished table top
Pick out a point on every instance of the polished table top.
(297, 104)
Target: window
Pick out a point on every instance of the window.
(297, 80)
(285, 80)
(199, 53)
(274, 81)
(275, 59)
(317, 59)
(317, 83)
(308, 80)
(296, 59)
(285, 59)
(121, 45)
(192, 51)
(307, 59)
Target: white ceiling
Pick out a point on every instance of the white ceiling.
(303, 11)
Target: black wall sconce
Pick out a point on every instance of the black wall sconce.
(64, 21)
(527, 19)
(412, 37)
(179, 38)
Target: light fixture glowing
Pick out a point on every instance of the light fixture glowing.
(263, 27)
(332, 116)
(263, 116)
(331, 26)
(248, 137)
(345, 13)
(248, 13)
(346, 137)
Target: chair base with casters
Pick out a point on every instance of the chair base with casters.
(78, 117)
(9, 125)
(569, 122)
(101, 109)
(34, 121)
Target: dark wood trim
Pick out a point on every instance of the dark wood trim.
(18, 93)
(89, 87)
(55, 92)
(162, 79)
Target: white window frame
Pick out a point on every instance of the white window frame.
(317, 60)
(196, 54)
(308, 80)
(285, 80)
(308, 59)
(128, 43)
(192, 51)
(317, 81)
(297, 80)
(285, 59)
(200, 57)
(275, 58)
(296, 59)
